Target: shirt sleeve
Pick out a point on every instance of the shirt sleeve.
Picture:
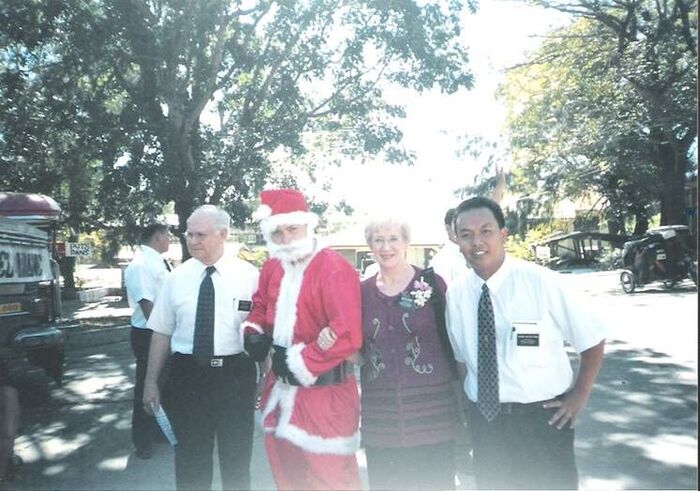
(454, 320)
(579, 323)
(162, 318)
(256, 320)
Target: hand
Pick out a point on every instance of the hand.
(326, 339)
(257, 346)
(500, 187)
(569, 406)
(151, 398)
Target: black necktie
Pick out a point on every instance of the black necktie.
(487, 370)
(167, 265)
(204, 320)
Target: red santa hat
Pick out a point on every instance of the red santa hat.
(283, 207)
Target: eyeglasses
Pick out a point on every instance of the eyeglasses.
(381, 241)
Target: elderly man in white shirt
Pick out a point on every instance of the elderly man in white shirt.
(508, 320)
(197, 317)
(143, 279)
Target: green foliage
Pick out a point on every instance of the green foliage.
(148, 102)
(607, 104)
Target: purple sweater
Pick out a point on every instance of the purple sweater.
(407, 393)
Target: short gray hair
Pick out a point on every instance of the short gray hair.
(378, 222)
(220, 219)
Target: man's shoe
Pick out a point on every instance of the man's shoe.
(144, 453)
(14, 467)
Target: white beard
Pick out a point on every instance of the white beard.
(294, 251)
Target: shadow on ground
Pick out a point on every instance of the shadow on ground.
(78, 436)
(639, 430)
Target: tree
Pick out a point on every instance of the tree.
(608, 103)
(54, 132)
(207, 90)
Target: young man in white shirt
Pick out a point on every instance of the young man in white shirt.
(522, 417)
(143, 279)
(448, 261)
(212, 380)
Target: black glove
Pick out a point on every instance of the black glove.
(280, 367)
(257, 346)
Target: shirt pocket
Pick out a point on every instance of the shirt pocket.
(527, 343)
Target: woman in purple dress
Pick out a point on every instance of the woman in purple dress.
(409, 409)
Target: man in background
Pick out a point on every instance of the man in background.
(449, 262)
(143, 279)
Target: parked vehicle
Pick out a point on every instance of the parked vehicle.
(662, 254)
(579, 249)
(30, 298)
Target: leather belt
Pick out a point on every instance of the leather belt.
(518, 407)
(333, 376)
(211, 361)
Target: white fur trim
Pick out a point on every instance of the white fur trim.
(271, 222)
(297, 366)
(261, 213)
(253, 325)
(242, 329)
(286, 308)
(285, 395)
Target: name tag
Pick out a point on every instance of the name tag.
(527, 333)
(245, 305)
(528, 339)
(406, 302)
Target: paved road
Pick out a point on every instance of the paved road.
(639, 430)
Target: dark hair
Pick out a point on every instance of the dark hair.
(148, 232)
(450, 216)
(481, 202)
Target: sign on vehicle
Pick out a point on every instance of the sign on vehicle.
(9, 308)
(74, 249)
(21, 263)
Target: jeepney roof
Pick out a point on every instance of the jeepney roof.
(28, 206)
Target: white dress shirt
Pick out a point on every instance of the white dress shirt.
(534, 315)
(174, 313)
(143, 278)
(449, 263)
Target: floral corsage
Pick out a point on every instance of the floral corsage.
(421, 293)
(416, 298)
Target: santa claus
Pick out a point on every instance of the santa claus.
(310, 403)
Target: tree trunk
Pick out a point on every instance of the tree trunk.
(641, 222)
(672, 191)
(184, 206)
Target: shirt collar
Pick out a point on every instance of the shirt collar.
(150, 251)
(221, 265)
(496, 280)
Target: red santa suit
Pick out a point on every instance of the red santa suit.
(311, 430)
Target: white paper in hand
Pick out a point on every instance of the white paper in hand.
(164, 423)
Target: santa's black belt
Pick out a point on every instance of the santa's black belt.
(333, 376)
